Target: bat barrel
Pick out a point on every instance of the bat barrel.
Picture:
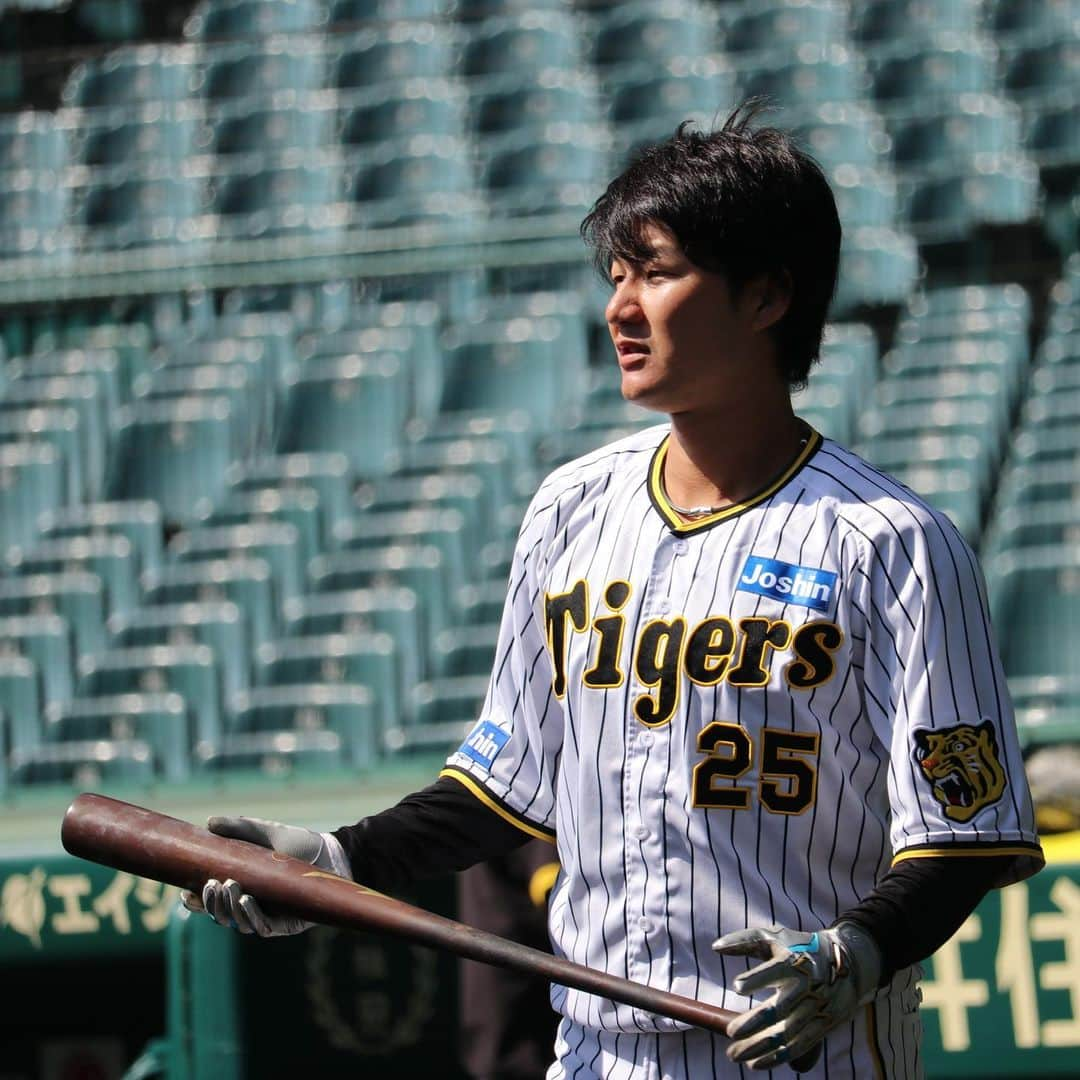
(148, 844)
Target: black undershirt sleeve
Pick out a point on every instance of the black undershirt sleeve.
(920, 903)
(432, 832)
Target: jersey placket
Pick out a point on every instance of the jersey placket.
(644, 780)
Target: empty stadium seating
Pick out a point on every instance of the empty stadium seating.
(263, 528)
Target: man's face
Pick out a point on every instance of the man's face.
(681, 339)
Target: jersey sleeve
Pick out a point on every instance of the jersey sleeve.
(936, 693)
(509, 758)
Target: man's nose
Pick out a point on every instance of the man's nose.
(623, 307)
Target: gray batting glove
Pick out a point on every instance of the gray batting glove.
(226, 902)
(819, 981)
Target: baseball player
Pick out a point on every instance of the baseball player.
(745, 682)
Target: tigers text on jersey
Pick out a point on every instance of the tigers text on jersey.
(741, 721)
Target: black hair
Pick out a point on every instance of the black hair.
(741, 200)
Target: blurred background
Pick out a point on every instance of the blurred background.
(294, 316)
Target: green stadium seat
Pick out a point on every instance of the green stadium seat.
(481, 603)
(1047, 709)
(140, 522)
(304, 305)
(78, 392)
(272, 755)
(298, 507)
(1044, 523)
(251, 398)
(647, 33)
(392, 610)
(160, 721)
(246, 583)
(1024, 485)
(345, 12)
(1011, 19)
(926, 75)
(134, 211)
(278, 543)
(464, 492)
(34, 140)
(264, 199)
(515, 430)
(100, 365)
(257, 69)
(77, 596)
(191, 671)
(32, 481)
(113, 138)
(83, 765)
(535, 364)
(356, 405)
(878, 22)
(955, 417)
(419, 568)
(815, 77)
(175, 452)
(961, 301)
(132, 75)
(557, 169)
(1043, 414)
(251, 18)
(410, 176)
(471, 11)
(131, 343)
(939, 451)
(424, 107)
(947, 385)
(20, 701)
(532, 103)
(1038, 71)
(489, 459)
(444, 529)
(390, 54)
(968, 125)
(246, 128)
(364, 659)
(417, 345)
(47, 641)
(842, 133)
(518, 42)
(464, 650)
(221, 625)
(1052, 140)
(1001, 191)
(329, 474)
(775, 25)
(865, 197)
(1033, 588)
(58, 427)
(877, 267)
(351, 712)
(442, 712)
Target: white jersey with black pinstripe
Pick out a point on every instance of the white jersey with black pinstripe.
(741, 721)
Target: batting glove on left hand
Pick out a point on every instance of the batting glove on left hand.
(819, 980)
(227, 903)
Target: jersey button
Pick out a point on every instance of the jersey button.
(645, 925)
(646, 738)
(681, 547)
(641, 833)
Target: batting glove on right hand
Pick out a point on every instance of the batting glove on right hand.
(819, 981)
(226, 902)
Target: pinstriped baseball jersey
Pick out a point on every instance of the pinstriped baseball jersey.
(740, 721)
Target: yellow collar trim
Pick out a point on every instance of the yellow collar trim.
(676, 523)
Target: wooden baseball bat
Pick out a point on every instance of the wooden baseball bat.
(140, 841)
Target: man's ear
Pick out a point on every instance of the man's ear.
(772, 298)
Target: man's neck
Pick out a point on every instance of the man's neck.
(726, 456)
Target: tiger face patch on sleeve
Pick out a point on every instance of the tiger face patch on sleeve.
(962, 767)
